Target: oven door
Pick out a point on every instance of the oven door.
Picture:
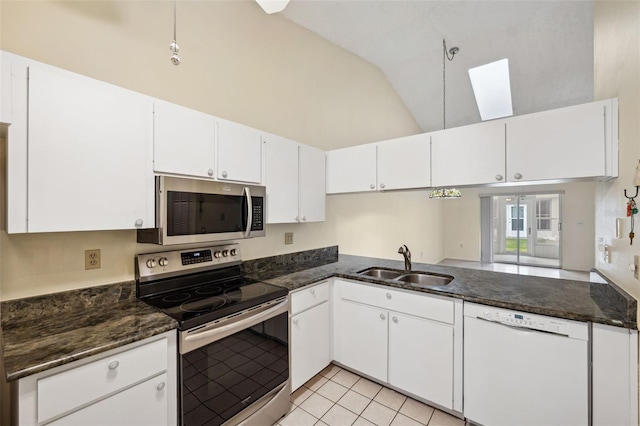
(233, 370)
(197, 211)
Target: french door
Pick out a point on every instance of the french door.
(524, 229)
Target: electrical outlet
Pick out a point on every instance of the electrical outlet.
(288, 237)
(92, 259)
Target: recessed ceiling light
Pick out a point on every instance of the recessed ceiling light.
(272, 6)
(492, 88)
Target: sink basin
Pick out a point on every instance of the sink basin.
(425, 280)
(380, 273)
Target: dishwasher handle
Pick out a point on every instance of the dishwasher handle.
(525, 329)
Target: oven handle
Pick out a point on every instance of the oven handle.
(241, 324)
(247, 194)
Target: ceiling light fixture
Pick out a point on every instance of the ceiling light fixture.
(445, 193)
(492, 89)
(272, 6)
(175, 59)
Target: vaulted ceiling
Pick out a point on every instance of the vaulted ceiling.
(549, 45)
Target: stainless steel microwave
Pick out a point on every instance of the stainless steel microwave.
(197, 211)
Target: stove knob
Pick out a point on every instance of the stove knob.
(151, 263)
(217, 254)
(163, 261)
(233, 252)
(225, 253)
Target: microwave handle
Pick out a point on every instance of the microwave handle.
(247, 194)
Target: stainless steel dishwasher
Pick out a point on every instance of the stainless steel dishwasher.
(525, 369)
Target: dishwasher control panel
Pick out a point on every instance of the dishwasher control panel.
(526, 320)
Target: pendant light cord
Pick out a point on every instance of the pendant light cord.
(445, 55)
(175, 15)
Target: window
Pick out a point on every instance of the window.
(543, 214)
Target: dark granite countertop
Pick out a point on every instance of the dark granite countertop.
(46, 331)
(576, 300)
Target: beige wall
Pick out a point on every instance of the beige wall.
(462, 222)
(237, 63)
(617, 73)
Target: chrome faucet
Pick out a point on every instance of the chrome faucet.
(404, 250)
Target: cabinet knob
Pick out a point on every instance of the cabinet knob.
(312, 291)
(295, 321)
(498, 177)
(210, 172)
(160, 386)
(372, 186)
(395, 319)
(297, 218)
(382, 317)
(139, 222)
(517, 176)
(382, 185)
(304, 218)
(224, 173)
(388, 295)
(113, 365)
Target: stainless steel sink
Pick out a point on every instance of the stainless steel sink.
(418, 279)
(380, 273)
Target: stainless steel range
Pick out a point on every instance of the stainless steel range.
(233, 334)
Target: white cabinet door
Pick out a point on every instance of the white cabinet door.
(143, 404)
(351, 169)
(90, 154)
(557, 144)
(239, 152)
(312, 184)
(183, 140)
(310, 344)
(404, 163)
(469, 155)
(360, 338)
(421, 358)
(281, 179)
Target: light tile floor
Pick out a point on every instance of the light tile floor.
(337, 397)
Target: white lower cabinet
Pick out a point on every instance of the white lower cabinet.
(310, 332)
(135, 384)
(408, 340)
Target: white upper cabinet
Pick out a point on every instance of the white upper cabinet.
(295, 181)
(184, 141)
(469, 155)
(404, 163)
(89, 154)
(311, 165)
(239, 152)
(572, 142)
(352, 169)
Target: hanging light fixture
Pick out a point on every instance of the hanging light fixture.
(175, 59)
(445, 193)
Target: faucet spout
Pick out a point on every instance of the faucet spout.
(404, 250)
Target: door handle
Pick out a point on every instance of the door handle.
(247, 194)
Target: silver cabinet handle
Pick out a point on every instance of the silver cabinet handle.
(113, 365)
(224, 173)
(210, 172)
(395, 319)
(295, 321)
(498, 177)
(312, 291)
(372, 186)
(160, 386)
(297, 219)
(382, 185)
(139, 222)
(304, 218)
(382, 317)
(517, 176)
(388, 295)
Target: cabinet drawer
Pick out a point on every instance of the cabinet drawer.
(73, 388)
(309, 296)
(408, 302)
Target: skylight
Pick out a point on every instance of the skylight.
(492, 89)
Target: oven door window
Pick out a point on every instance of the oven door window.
(223, 378)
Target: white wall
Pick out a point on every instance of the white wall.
(237, 63)
(617, 73)
(462, 222)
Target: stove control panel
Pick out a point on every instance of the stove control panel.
(156, 265)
